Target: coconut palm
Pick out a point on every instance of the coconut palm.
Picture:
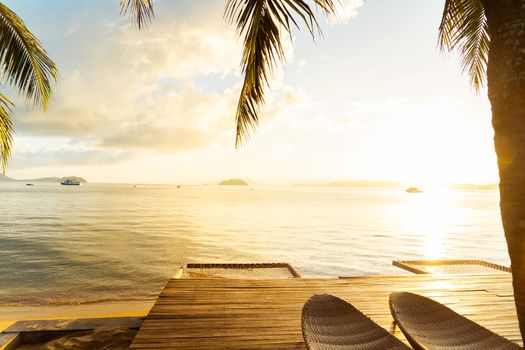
(490, 38)
(505, 22)
(24, 65)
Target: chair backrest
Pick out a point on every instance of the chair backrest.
(330, 323)
(430, 325)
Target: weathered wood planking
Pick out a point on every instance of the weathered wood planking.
(266, 314)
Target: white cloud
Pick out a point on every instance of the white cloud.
(144, 91)
(346, 10)
(129, 81)
(68, 155)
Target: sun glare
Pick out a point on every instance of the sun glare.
(433, 212)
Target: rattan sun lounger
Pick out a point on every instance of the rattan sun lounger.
(329, 323)
(430, 325)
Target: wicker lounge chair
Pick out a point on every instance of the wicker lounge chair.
(329, 323)
(430, 325)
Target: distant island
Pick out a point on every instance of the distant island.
(4, 178)
(234, 182)
(392, 184)
(473, 187)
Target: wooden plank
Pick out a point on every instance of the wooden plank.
(266, 314)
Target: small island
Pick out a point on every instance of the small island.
(234, 182)
(79, 179)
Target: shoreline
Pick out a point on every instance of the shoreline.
(12, 314)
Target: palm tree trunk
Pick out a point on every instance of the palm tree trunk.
(506, 89)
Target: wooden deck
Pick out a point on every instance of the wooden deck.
(266, 314)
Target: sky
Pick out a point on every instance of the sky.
(372, 99)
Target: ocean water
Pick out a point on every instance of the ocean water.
(93, 243)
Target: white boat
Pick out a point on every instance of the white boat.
(413, 190)
(69, 182)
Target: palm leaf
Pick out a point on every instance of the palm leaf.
(6, 131)
(328, 6)
(262, 23)
(464, 28)
(141, 10)
(24, 62)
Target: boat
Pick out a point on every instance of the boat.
(69, 182)
(30, 184)
(414, 190)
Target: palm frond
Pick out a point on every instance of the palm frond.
(262, 23)
(141, 11)
(24, 62)
(328, 6)
(464, 28)
(6, 131)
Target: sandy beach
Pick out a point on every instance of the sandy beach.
(10, 315)
(114, 338)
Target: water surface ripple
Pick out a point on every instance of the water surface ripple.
(67, 245)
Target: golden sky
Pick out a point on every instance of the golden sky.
(373, 99)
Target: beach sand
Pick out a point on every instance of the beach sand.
(104, 339)
(115, 338)
(12, 314)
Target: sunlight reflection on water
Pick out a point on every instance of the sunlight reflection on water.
(435, 213)
(69, 245)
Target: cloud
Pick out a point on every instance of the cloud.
(182, 121)
(157, 138)
(169, 89)
(134, 89)
(67, 156)
(165, 121)
(70, 121)
(346, 10)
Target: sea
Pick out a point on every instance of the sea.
(94, 243)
